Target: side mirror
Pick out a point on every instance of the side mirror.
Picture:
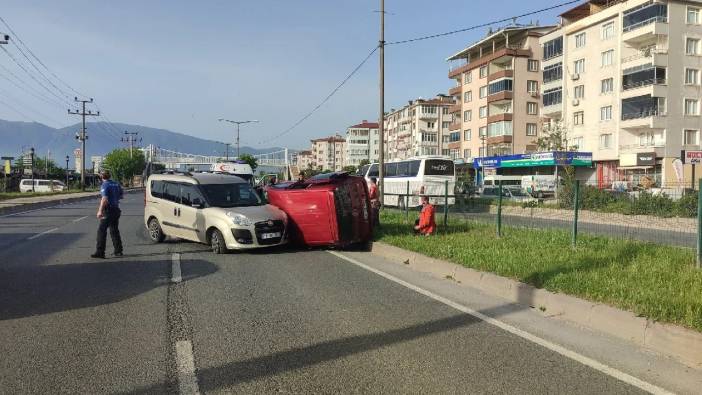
(197, 203)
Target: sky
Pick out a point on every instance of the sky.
(182, 65)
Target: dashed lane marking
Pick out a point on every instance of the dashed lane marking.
(643, 385)
(185, 362)
(79, 219)
(175, 268)
(42, 233)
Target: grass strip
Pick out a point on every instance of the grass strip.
(653, 281)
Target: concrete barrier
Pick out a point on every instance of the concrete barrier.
(53, 200)
(680, 343)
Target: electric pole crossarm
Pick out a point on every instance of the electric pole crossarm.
(83, 135)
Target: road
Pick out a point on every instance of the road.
(279, 320)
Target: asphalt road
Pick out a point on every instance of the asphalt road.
(280, 320)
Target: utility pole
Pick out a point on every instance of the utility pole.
(238, 124)
(381, 117)
(67, 158)
(227, 150)
(83, 136)
(130, 139)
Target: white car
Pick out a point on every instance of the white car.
(41, 186)
(221, 210)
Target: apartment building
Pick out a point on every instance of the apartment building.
(497, 93)
(362, 143)
(304, 160)
(623, 78)
(419, 128)
(329, 153)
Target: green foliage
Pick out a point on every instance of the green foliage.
(349, 169)
(124, 166)
(364, 162)
(654, 281)
(253, 162)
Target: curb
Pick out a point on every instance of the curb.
(51, 203)
(680, 343)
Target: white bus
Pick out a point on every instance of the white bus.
(426, 175)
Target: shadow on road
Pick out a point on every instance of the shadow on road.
(31, 290)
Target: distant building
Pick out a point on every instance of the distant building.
(97, 163)
(419, 128)
(78, 159)
(362, 143)
(329, 153)
(304, 160)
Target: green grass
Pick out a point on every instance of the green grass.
(14, 195)
(653, 281)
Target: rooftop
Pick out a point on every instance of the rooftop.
(506, 31)
(365, 125)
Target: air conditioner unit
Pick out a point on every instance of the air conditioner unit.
(576, 102)
(575, 77)
(534, 94)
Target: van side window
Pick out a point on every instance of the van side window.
(189, 193)
(44, 183)
(373, 172)
(171, 191)
(157, 189)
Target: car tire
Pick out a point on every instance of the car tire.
(217, 242)
(155, 232)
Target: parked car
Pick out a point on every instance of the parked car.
(539, 186)
(221, 210)
(330, 209)
(43, 186)
(511, 192)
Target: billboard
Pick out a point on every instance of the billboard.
(536, 159)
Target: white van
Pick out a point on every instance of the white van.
(221, 210)
(539, 186)
(237, 168)
(43, 186)
(493, 181)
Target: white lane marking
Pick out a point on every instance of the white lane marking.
(175, 268)
(79, 219)
(42, 233)
(187, 381)
(643, 385)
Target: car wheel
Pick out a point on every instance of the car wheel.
(155, 232)
(217, 242)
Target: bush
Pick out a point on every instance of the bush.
(687, 205)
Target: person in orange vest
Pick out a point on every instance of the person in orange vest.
(426, 224)
(374, 201)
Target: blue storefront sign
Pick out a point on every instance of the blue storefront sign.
(554, 158)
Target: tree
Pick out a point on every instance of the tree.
(124, 166)
(554, 137)
(364, 162)
(349, 169)
(248, 158)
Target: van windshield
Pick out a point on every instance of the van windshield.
(231, 195)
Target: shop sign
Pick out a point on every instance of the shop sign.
(646, 159)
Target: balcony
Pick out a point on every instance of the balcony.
(454, 145)
(505, 139)
(647, 118)
(507, 73)
(507, 116)
(455, 91)
(658, 56)
(552, 111)
(646, 30)
(455, 108)
(454, 126)
(513, 50)
(505, 95)
(659, 149)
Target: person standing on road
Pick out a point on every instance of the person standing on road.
(108, 214)
(374, 201)
(426, 224)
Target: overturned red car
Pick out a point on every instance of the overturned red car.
(326, 210)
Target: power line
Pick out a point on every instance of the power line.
(37, 58)
(25, 116)
(32, 76)
(28, 88)
(483, 24)
(326, 99)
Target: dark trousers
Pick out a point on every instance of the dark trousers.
(109, 220)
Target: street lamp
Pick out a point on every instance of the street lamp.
(238, 124)
(67, 158)
(31, 158)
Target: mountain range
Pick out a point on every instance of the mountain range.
(17, 137)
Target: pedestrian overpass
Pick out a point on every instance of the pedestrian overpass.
(276, 161)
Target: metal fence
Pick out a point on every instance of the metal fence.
(662, 216)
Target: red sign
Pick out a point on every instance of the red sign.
(693, 157)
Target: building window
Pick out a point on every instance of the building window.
(500, 86)
(467, 116)
(483, 71)
(692, 107)
(553, 72)
(608, 30)
(578, 118)
(580, 40)
(531, 129)
(532, 108)
(481, 152)
(692, 46)
(445, 124)
(430, 137)
(468, 77)
(577, 143)
(466, 153)
(553, 48)
(643, 75)
(646, 139)
(692, 76)
(454, 136)
(691, 137)
(532, 65)
(579, 92)
(607, 86)
(607, 58)
(497, 129)
(693, 15)
(467, 134)
(532, 86)
(468, 97)
(482, 112)
(430, 125)
(483, 91)
(553, 96)
(643, 15)
(605, 141)
(444, 111)
(579, 66)
(606, 113)
(482, 131)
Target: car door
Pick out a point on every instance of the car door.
(168, 208)
(191, 222)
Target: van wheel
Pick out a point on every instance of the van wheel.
(155, 232)
(217, 242)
